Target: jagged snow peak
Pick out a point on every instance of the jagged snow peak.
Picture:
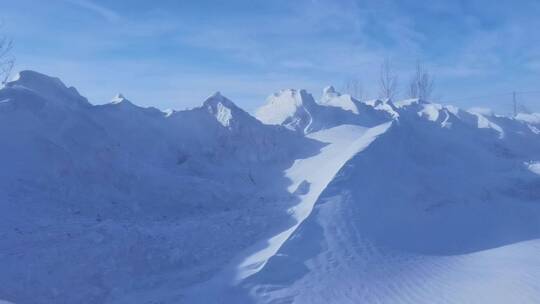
(118, 98)
(222, 109)
(223, 115)
(431, 111)
(182, 193)
(297, 110)
(373, 102)
(211, 203)
(331, 97)
(290, 108)
(49, 88)
(330, 91)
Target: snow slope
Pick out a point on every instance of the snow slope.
(310, 177)
(329, 201)
(419, 216)
(115, 199)
(345, 267)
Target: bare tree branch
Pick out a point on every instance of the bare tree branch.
(388, 81)
(422, 83)
(354, 87)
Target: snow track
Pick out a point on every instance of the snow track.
(335, 201)
(313, 174)
(309, 177)
(349, 269)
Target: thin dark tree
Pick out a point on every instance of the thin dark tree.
(388, 81)
(7, 61)
(422, 83)
(354, 87)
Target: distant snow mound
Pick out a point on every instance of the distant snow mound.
(534, 167)
(49, 88)
(226, 112)
(533, 118)
(297, 110)
(440, 200)
(333, 98)
(481, 111)
(329, 201)
(401, 104)
(118, 98)
(290, 108)
(146, 193)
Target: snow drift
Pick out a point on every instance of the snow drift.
(297, 110)
(102, 201)
(329, 201)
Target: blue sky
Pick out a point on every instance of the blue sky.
(172, 54)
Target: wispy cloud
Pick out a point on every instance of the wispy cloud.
(249, 50)
(100, 10)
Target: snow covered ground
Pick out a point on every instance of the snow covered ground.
(310, 177)
(332, 201)
(100, 202)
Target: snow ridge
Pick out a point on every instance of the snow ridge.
(334, 200)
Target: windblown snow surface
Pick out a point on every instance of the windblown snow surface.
(329, 201)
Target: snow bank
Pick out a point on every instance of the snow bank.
(116, 200)
(298, 111)
(534, 167)
(329, 201)
(418, 215)
(310, 177)
(533, 118)
(333, 98)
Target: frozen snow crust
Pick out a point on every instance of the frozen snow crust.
(333, 200)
